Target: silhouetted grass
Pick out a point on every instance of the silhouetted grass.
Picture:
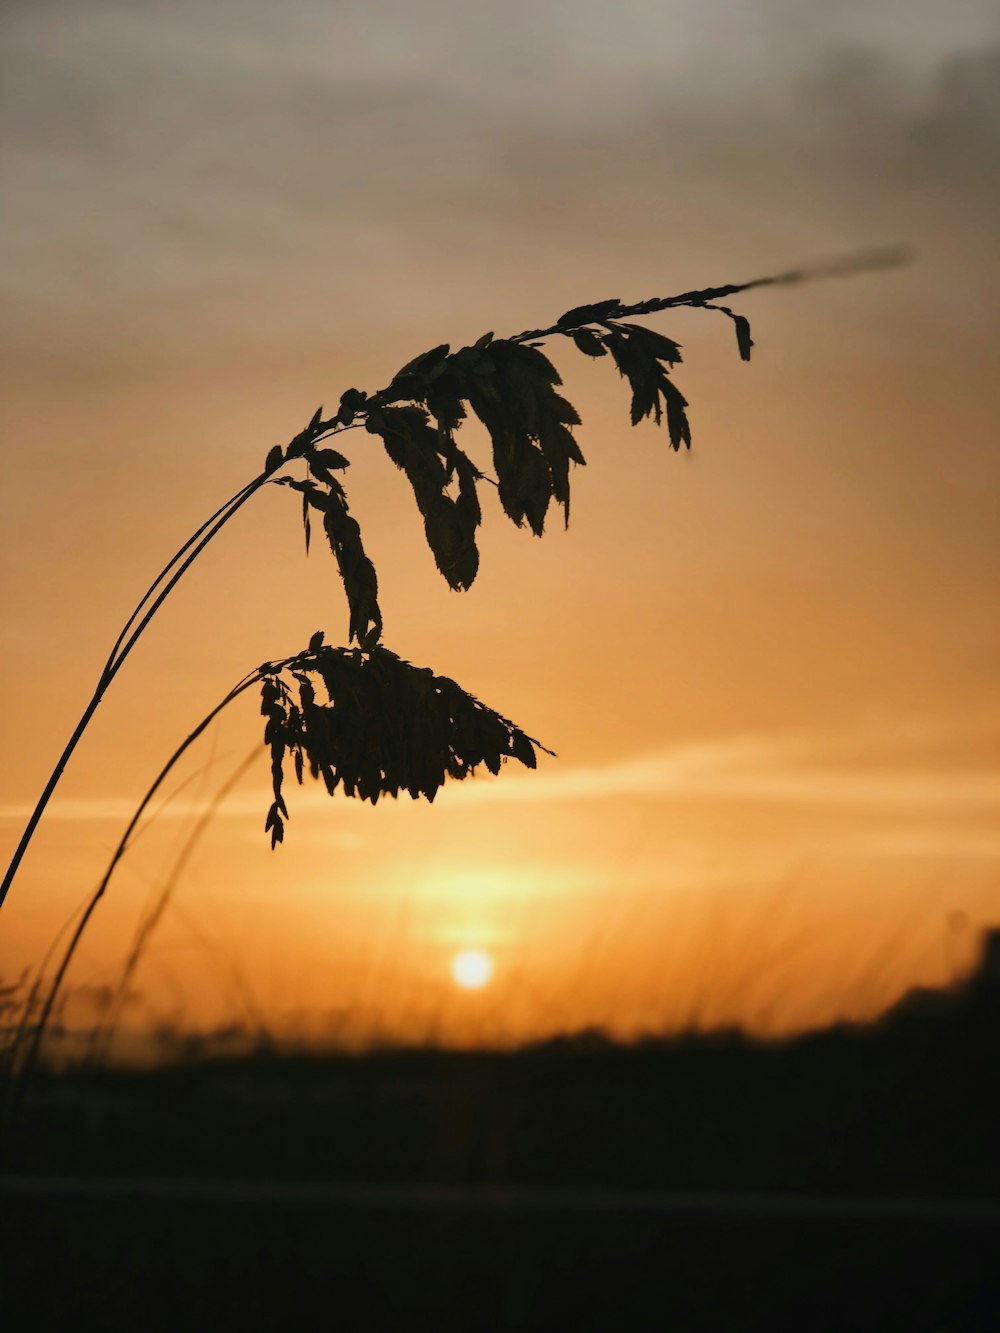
(451, 1155)
(908, 1104)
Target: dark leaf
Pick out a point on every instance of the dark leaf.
(356, 571)
(531, 361)
(659, 347)
(677, 422)
(430, 458)
(645, 397)
(637, 358)
(298, 445)
(387, 727)
(588, 342)
(373, 420)
(527, 421)
(316, 497)
(330, 458)
(743, 339)
(323, 462)
(422, 364)
(351, 401)
(521, 748)
(444, 400)
(275, 458)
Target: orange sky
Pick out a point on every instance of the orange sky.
(769, 667)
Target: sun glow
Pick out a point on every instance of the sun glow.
(471, 969)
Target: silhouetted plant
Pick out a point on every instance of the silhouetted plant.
(383, 727)
(510, 385)
(361, 718)
(103, 1034)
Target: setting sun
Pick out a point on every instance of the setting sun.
(472, 969)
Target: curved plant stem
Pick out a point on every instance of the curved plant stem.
(103, 1034)
(237, 503)
(22, 1079)
(570, 325)
(28, 1008)
(172, 572)
(166, 570)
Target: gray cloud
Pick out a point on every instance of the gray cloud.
(178, 160)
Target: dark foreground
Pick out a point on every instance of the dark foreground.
(259, 1262)
(849, 1180)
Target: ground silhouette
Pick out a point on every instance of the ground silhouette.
(844, 1179)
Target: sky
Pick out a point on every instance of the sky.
(768, 667)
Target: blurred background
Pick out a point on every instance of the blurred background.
(769, 667)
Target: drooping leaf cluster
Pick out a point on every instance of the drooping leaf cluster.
(361, 718)
(375, 725)
(643, 357)
(511, 386)
(443, 479)
(323, 492)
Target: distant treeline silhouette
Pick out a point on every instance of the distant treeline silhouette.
(906, 1105)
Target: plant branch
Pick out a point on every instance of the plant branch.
(193, 548)
(167, 568)
(29, 1005)
(866, 261)
(509, 386)
(21, 1080)
(104, 1032)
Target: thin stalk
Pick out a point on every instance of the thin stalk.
(166, 570)
(21, 1081)
(103, 1034)
(317, 431)
(225, 962)
(28, 1008)
(36, 986)
(234, 507)
(193, 547)
(865, 261)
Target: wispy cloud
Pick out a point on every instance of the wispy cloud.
(807, 770)
(924, 842)
(692, 773)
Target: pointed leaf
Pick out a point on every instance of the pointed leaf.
(743, 339)
(522, 749)
(423, 362)
(588, 342)
(330, 458)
